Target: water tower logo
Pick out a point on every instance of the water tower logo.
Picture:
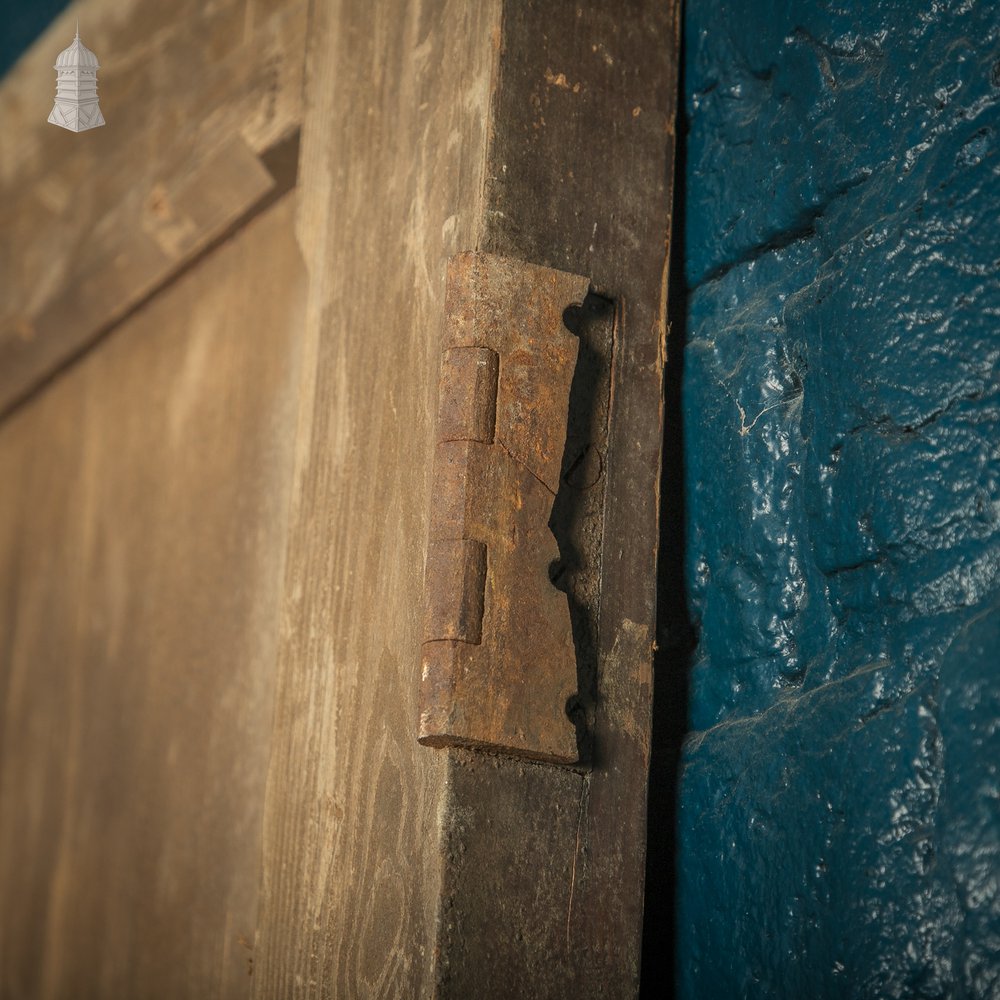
(76, 106)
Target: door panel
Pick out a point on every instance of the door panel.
(142, 531)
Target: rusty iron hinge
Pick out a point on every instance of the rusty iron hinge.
(499, 664)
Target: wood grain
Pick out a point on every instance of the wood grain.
(393, 155)
(93, 222)
(543, 884)
(143, 523)
(135, 251)
(181, 554)
(544, 132)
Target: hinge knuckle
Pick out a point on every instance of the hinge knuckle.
(468, 394)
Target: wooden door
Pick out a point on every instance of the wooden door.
(153, 302)
(219, 353)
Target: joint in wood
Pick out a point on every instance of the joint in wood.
(499, 657)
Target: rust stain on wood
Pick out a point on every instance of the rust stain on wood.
(501, 682)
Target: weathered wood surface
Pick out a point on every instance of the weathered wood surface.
(392, 180)
(535, 130)
(543, 867)
(544, 132)
(143, 510)
(93, 223)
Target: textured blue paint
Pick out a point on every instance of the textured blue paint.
(840, 798)
(21, 22)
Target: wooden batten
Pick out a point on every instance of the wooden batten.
(95, 223)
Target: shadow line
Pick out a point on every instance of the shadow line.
(578, 509)
(676, 637)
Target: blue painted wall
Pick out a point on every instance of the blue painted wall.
(840, 797)
(21, 22)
